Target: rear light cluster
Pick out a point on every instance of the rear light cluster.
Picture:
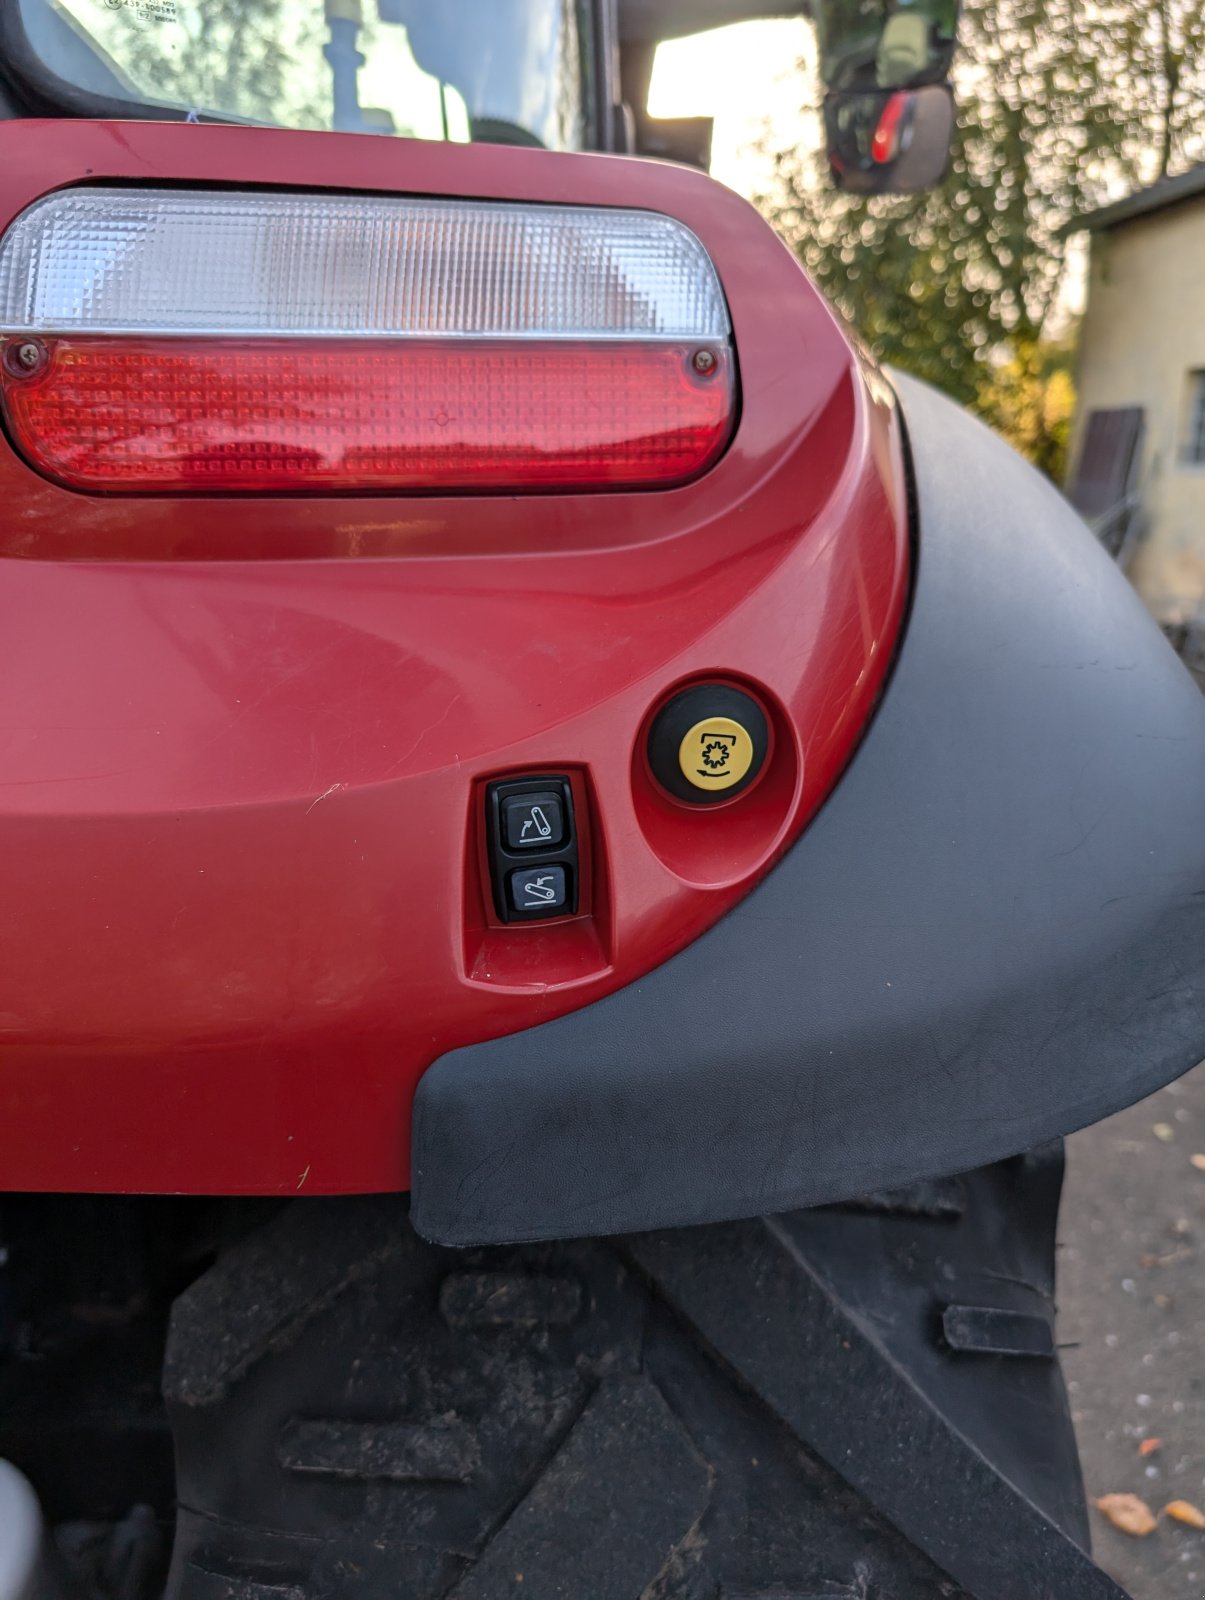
(161, 341)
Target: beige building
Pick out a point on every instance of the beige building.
(1140, 426)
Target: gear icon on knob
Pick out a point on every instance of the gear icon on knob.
(713, 757)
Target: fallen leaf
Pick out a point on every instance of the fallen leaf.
(1164, 1131)
(1163, 1301)
(1184, 1511)
(1149, 1446)
(1127, 1512)
(1198, 1161)
(1147, 1262)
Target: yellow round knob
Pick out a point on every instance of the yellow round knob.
(708, 743)
(716, 753)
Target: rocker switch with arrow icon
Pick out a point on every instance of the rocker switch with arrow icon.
(533, 821)
(541, 889)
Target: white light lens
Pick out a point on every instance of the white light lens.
(117, 261)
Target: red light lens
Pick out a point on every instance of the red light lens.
(168, 415)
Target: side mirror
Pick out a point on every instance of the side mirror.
(861, 48)
(888, 141)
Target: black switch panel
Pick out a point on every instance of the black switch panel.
(533, 848)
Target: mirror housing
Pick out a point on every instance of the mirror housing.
(888, 141)
(888, 109)
(901, 45)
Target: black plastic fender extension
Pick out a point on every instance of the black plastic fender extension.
(992, 934)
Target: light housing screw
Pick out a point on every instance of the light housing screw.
(25, 358)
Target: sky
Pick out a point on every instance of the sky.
(748, 78)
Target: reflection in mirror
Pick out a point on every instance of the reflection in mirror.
(888, 141)
(885, 44)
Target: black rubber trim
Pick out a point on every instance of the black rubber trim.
(992, 934)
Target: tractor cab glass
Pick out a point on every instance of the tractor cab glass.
(503, 71)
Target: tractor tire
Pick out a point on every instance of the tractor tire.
(358, 1413)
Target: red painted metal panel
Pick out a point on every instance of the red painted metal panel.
(243, 742)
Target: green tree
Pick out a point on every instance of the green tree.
(1027, 394)
(1157, 53)
(1058, 104)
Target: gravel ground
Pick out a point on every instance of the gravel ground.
(1132, 1323)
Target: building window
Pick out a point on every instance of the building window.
(1194, 449)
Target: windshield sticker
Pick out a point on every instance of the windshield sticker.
(146, 10)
